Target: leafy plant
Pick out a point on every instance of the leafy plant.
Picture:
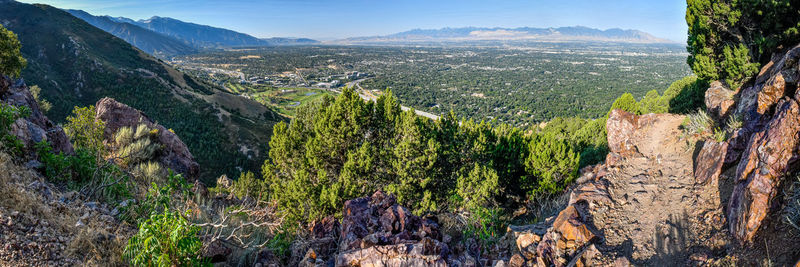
(84, 130)
(11, 60)
(165, 239)
(627, 103)
(698, 123)
(8, 115)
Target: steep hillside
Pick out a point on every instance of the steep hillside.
(76, 64)
(203, 36)
(144, 39)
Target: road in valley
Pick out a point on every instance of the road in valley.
(367, 95)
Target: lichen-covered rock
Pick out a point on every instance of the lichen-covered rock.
(175, 154)
(36, 127)
(621, 127)
(758, 175)
(719, 100)
(568, 234)
(709, 162)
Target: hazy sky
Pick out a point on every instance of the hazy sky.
(326, 19)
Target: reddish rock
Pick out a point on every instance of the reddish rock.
(757, 101)
(719, 100)
(570, 225)
(709, 162)
(175, 154)
(766, 159)
(621, 127)
(376, 231)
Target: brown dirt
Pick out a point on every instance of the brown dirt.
(659, 217)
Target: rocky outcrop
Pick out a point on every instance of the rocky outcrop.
(36, 127)
(376, 231)
(621, 126)
(767, 145)
(174, 155)
(709, 162)
(719, 100)
(767, 159)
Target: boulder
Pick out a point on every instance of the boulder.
(621, 127)
(36, 127)
(766, 160)
(174, 155)
(376, 231)
(709, 162)
(568, 235)
(719, 100)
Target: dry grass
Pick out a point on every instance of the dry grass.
(91, 243)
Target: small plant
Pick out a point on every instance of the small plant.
(792, 207)
(720, 135)
(8, 115)
(165, 239)
(698, 122)
(485, 225)
(734, 122)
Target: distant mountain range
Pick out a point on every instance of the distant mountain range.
(167, 36)
(523, 34)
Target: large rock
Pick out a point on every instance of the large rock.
(621, 127)
(175, 155)
(36, 127)
(766, 160)
(757, 101)
(376, 231)
(565, 239)
(709, 162)
(719, 100)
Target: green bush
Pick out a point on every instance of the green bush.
(165, 239)
(729, 39)
(11, 60)
(553, 162)
(84, 130)
(8, 115)
(627, 103)
(343, 148)
(686, 95)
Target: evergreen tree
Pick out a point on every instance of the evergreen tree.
(11, 60)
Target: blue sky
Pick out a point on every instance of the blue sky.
(326, 19)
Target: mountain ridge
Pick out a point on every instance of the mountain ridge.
(472, 34)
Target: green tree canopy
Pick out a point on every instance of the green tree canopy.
(11, 60)
(729, 39)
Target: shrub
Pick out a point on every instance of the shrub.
(11, 60)
(686, 95)
(165, 239)
(478, 188)
(698, 122)
(728, 40)
(84, 130)
(552, 163)
(44, 105)
(652, 102)
(8, 115)
(627, 103)
(248, 186)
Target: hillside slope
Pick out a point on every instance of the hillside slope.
(76, 64)
(146, 40)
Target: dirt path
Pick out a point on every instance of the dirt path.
(657, 214)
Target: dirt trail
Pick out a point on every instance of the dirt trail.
(658, 215)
